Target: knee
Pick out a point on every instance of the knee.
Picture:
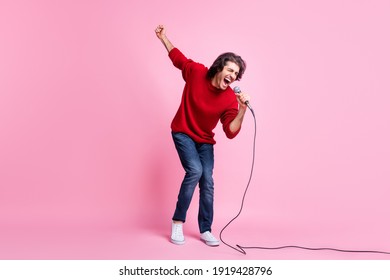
(195, 172)
(207, 183)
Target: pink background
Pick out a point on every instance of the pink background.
(88, 169)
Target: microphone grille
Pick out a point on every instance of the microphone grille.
(237, 89)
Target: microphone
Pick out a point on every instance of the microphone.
(237, 90)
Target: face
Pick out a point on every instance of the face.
(228, 75)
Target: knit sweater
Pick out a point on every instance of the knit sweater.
(202, 105)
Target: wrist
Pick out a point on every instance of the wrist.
(164, 38)
(242, 108)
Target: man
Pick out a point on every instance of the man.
(207, 99)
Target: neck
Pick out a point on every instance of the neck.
(214, 82)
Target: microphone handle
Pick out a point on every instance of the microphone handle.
(237, 90)
(248, 105)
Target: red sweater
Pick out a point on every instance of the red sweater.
(202, 105)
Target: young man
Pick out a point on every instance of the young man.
(207, 98)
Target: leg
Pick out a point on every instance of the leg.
(206, 188)
(191, 163)
(206, 198)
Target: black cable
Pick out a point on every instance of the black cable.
(241, 249)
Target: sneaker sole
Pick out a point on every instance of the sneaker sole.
(178, 242)
(211, 244)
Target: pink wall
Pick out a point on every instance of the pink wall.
(87, 94)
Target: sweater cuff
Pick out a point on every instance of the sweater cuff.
(230, 134)
(173, 52)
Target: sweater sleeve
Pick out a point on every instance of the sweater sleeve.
(181, 62)
(226, 118)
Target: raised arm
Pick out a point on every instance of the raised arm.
(160, 33)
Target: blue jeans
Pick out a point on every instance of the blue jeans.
(198, 162)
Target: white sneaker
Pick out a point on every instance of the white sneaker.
(209, 239)
(177, 236)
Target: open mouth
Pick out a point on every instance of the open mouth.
(227, 81)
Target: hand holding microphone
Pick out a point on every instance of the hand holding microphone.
(237, 91)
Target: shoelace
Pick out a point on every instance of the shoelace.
(178, 230)
(209, 236)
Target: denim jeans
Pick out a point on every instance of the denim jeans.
(198, 162)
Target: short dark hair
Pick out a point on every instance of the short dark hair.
(221, 61)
